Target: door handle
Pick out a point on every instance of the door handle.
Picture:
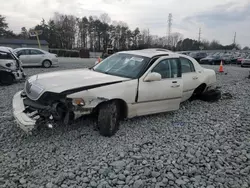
(174, 82)
(195, 77)
(174, 86)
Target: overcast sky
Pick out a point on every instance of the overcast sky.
(218, 19)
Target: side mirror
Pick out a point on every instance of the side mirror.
(153, 76)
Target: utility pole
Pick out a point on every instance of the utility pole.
(169, 28)
(148, 39)
(234, 41)
(199, 38)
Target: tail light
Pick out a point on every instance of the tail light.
(239, 59)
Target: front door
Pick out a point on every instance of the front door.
(164, 95)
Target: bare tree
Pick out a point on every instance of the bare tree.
(105, 18)
(176, 37)
(24, 33)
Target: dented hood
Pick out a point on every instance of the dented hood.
(61, 81)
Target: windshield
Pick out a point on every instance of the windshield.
(123, 65)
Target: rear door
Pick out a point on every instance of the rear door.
(164, 95)
(190, 78)
(36, 56)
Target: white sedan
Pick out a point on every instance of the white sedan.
(36, 57)
(124, 85)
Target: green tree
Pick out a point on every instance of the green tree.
(4, 32)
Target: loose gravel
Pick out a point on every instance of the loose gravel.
(203, 145)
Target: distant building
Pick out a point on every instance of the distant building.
(18, 43)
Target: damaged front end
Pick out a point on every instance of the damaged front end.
(49, 109)
(31, 114)
(39, 104)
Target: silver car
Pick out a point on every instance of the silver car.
(245, 62)
(36, 57)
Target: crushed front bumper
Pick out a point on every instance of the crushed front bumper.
(23, 120)
(19, 74)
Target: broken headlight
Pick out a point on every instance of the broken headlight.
(78, 102)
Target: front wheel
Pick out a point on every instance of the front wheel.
(108, 118)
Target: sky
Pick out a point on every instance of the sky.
(218, 19)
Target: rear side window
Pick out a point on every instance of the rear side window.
(186, 65)
(35, 52)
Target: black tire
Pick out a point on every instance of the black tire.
(6, 78)
(46, 64)
(108, 118)
(198, 92)
(210, 95)
(212, 63)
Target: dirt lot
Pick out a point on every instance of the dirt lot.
(203, 145)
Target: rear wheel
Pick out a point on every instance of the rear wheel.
(108, 118)
(6, 78)
(46, 64)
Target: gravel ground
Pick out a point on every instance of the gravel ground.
(203, 145)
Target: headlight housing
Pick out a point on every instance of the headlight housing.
(78, 102)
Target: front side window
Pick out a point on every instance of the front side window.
(22, 52)
(163, 68)
(186, 65)
(167, 68)
(35, 52)
(123, 65)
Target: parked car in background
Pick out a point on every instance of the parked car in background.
(238, 59)
(184, 53)
(245, 62)
(214, 59)
(124, 85)
(198, 55)
(36, 57)
(10, 67)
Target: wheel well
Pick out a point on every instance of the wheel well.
(122, 104)
(200, 89)
(4, 72)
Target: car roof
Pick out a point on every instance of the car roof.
(27, 49)
(151, 52)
